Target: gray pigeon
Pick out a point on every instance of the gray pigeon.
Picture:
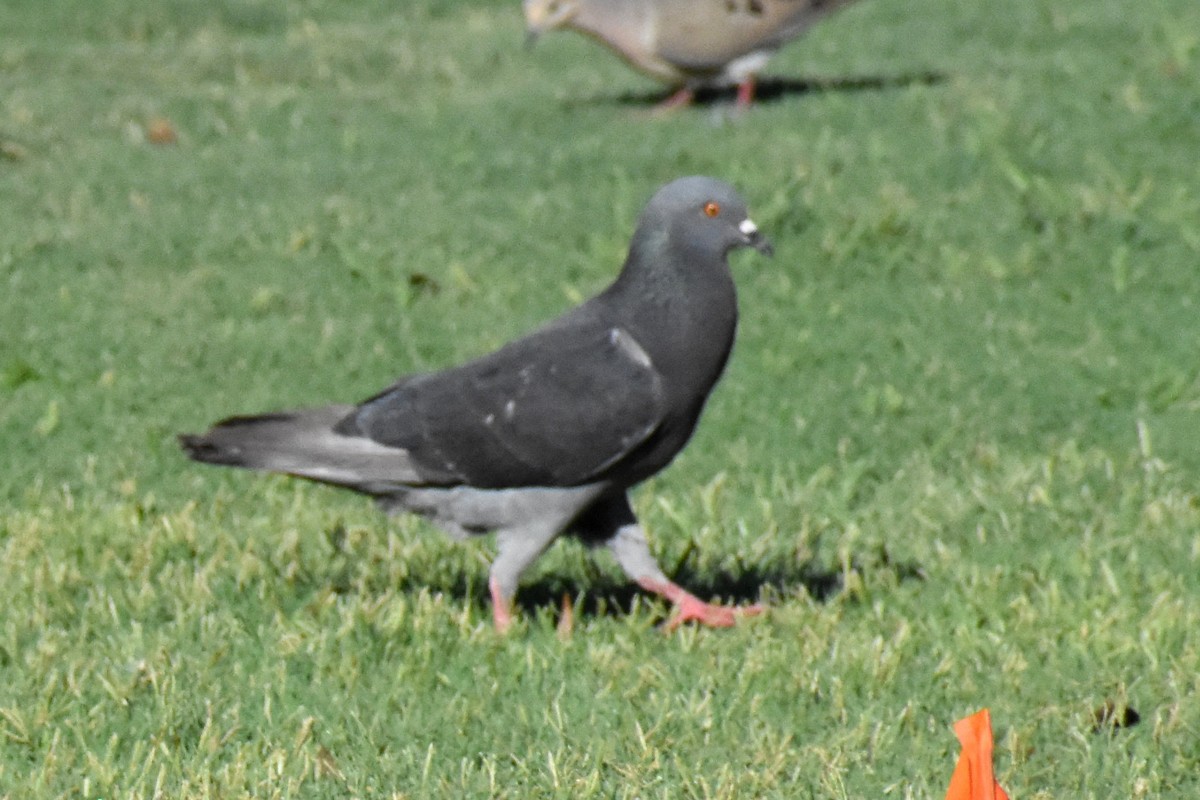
(545, 435)
(688, 44)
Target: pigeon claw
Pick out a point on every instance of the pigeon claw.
(689, 608)
(693, 609)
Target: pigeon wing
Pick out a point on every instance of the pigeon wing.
(557, 408)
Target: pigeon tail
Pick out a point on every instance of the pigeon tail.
(304, 443)
(234, 442)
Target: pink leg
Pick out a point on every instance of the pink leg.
(745, 93)
(681, 98)
(689, 608)
(501, 607)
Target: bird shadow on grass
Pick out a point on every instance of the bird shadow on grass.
(611, 596)
(766, 582)
(605, 593)
(776, 89)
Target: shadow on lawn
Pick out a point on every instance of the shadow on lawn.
(608, 594)
(765, 582)
(773, 90)
(612, 597)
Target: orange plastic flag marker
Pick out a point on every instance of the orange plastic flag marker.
(973, 778)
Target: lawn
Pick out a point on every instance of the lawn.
(957, 449)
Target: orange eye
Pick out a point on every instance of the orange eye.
(712, 209)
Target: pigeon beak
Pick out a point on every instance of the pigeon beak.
(753, 238)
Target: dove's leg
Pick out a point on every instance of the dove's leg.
(683, 97)
(745, 93)
(627, 541)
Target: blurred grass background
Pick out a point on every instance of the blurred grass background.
(957, 447)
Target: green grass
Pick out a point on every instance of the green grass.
(957, 449)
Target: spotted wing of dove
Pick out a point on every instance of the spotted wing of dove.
(544, 436)
(687, 44)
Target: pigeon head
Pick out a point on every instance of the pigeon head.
(547, 15)
(698, 215)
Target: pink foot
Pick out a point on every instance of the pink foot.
(693, 609)
(689, 608)
(501, 608)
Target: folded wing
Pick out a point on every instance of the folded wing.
(561, 407)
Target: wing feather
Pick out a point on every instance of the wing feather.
(561, 407)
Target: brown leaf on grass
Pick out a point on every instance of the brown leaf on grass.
(11, 151)
(160, 130)
(326, 764)
(422, 281)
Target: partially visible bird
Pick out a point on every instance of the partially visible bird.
(687, 44)
(545, 435)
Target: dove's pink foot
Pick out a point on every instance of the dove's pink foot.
(689, 608)
(501, 607)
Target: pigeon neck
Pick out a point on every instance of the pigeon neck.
(681, 307)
